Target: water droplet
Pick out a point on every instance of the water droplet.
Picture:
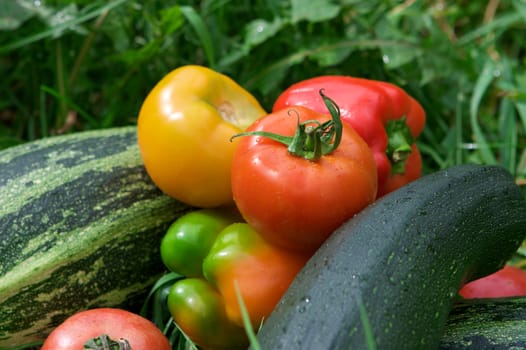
(302, 307)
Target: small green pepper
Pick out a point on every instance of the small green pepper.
(189, 238)
(223, 258)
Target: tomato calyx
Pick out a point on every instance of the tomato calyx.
(312, 139)
(104, 342)
(399, 144)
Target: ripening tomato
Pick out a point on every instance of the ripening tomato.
(507, 282)
(118, 325)
(292, 199)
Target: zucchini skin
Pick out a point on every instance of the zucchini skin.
(486, 324)
(80, 227)
(402, 260)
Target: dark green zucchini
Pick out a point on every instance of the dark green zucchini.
(80, 227)
(486, 324)
(388, 277)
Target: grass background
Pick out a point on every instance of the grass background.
(68, 65)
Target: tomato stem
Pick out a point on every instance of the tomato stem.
(104, 342)
(399, 144)
(312, 139)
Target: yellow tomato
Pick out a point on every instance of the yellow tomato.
(184, 129)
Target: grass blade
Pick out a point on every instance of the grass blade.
(500, 23)
(64, 99)
(481, 86)
(202, 32)
(167, 279)
(369, 336)
(508, 135)
(246, 320)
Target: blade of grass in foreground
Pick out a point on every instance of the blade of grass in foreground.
(246, 320)
(369, 337)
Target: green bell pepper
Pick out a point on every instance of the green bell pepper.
(189, 238)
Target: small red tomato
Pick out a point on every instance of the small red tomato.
(117, 324)
(507, 282)
(294, 202)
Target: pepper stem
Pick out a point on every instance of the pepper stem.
(398, 144)
(104, 342)
(312, 139)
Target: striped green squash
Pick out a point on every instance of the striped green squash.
(80, 227)
(486, 324)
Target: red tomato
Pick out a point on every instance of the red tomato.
(293, 202)
(508, 282)
(75, 331)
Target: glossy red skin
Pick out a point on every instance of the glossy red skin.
(73, 333)
(292, 202)
(367, 105)
(508, 282)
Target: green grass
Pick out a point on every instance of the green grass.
(76, 65)
(68, 66)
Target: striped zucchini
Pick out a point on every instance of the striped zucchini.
(80, 227)
(486, 324)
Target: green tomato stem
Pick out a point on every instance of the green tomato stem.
(398, 144)
(312, 139)
(104, 342)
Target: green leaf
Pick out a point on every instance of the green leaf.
(171, 19)
(313, 10)
(60, 26)
(259, 30)
(143, 54)
(330, 55)
(66, 15)
(394, 56)
(15, 12)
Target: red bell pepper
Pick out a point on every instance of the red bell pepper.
(383, 114)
